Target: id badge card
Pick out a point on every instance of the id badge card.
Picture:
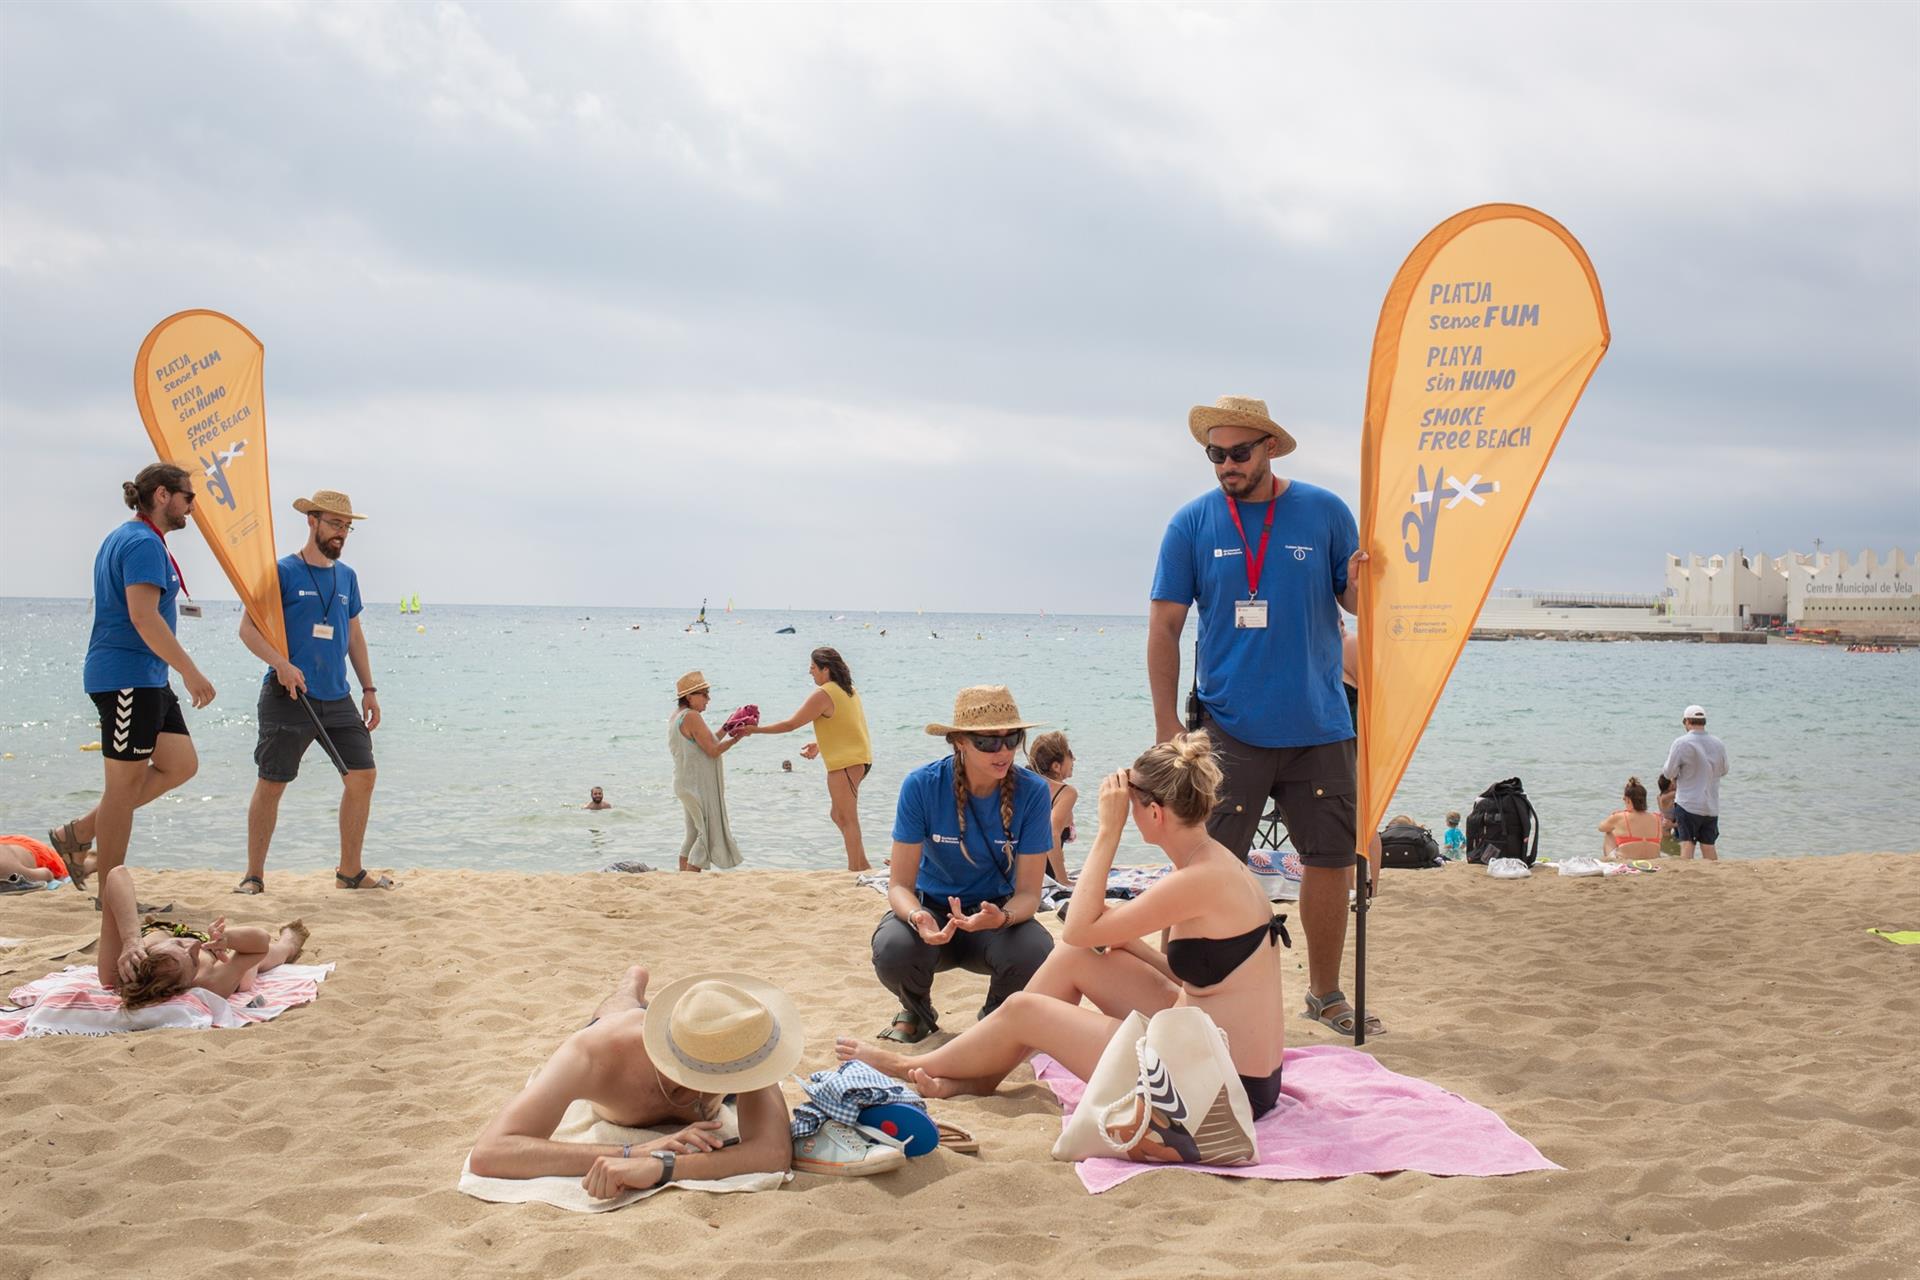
(190, 610)
(1250, 615)
(324, 630)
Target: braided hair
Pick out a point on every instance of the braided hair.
(960, 803)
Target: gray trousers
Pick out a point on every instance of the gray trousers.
(905, 964)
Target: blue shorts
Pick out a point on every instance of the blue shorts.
(1695, 828)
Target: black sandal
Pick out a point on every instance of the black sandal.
(247, 880)
(359, 880)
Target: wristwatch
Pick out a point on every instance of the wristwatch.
(666, 1160)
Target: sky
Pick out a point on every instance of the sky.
(904, 306)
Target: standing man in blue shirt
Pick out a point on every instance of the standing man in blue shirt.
(143, 736)
(1271, 562)
(320, 600)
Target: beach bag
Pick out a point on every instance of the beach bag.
(1404, 846)
(1165, 1092)
(1499, 823)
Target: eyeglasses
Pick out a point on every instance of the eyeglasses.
(991, 742)
(1145, 796)
(1238, 452)
(336, 526)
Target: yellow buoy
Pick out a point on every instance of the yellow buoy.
(421, 628)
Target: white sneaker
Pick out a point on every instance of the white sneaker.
(847, 1151)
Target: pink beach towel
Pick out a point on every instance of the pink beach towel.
(742, 718)
(1342, 1113)
(73, 1003)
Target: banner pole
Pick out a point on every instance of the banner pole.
(1363, 885)
(326, 743)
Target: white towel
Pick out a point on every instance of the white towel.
(580, 1124)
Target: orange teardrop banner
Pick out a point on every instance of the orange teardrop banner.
(1486, 340)
(199, 383)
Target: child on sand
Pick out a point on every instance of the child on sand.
(1456, 843)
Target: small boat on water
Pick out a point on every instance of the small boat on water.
(784, 631)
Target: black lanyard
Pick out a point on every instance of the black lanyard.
(333, 581)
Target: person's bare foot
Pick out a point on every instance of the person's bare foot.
(885, 1061)
(298, 933)
(630, 994)
(939, 1087)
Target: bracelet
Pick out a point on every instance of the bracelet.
(367, 688)
(626, 1151)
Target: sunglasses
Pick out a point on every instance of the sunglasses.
(1145, 796)
(188, 494)
(991, 742)
(1239, 452)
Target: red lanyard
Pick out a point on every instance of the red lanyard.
(1254, 562)
(181, 577)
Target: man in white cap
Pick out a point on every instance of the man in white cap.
(662, 1067)
(320, 602)
(1696, 762)
(1271, 562)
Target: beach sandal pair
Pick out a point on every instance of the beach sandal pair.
(359, 880)
(905, 1029)
(1318, 1008)
(70, 847)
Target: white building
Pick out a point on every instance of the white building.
(1866, 596)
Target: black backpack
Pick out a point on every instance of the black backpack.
(1404, 846)
(1500, 822)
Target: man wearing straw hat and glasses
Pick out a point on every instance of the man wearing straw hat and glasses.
(658, 1067)
(1271, 562)
(320, 601)
(971, 836)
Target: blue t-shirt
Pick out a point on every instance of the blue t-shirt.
(117, 658)
(1456, 842)
(926, 817)
(309, 596)
(1277, 686)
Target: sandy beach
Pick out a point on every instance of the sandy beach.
(1720, 1055)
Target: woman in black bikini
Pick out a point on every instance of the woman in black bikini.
(1049, 756)
(1223, 953)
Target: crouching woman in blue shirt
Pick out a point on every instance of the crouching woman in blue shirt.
(970, 843)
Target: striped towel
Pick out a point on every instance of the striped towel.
(73, 1003)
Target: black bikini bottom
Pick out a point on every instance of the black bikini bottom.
(1263, 1092)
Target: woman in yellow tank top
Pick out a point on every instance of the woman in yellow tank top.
(840, 742)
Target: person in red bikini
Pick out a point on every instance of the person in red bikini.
(1631, 832)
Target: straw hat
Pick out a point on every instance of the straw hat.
(331, 501)
(1237, 411)
(689, 684)
(724, 1033)
(984, 708)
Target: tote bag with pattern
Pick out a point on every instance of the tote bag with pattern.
(1165, 1092)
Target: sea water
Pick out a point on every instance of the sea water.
(498, 719)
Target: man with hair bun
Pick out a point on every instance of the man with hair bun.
(143, 737)
(1271, 563)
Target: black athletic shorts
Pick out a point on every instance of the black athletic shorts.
(1313, 786)
(131, 719)
(1699, 828)
(286, 731)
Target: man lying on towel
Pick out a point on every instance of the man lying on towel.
(706, 1037)
(147, 962)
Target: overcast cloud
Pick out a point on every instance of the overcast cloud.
(904, 306)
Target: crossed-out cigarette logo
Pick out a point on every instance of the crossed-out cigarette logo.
(216, 469)
(1418, 526)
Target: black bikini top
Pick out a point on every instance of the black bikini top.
(1202, 962)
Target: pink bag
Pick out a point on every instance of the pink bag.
(741, 719)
